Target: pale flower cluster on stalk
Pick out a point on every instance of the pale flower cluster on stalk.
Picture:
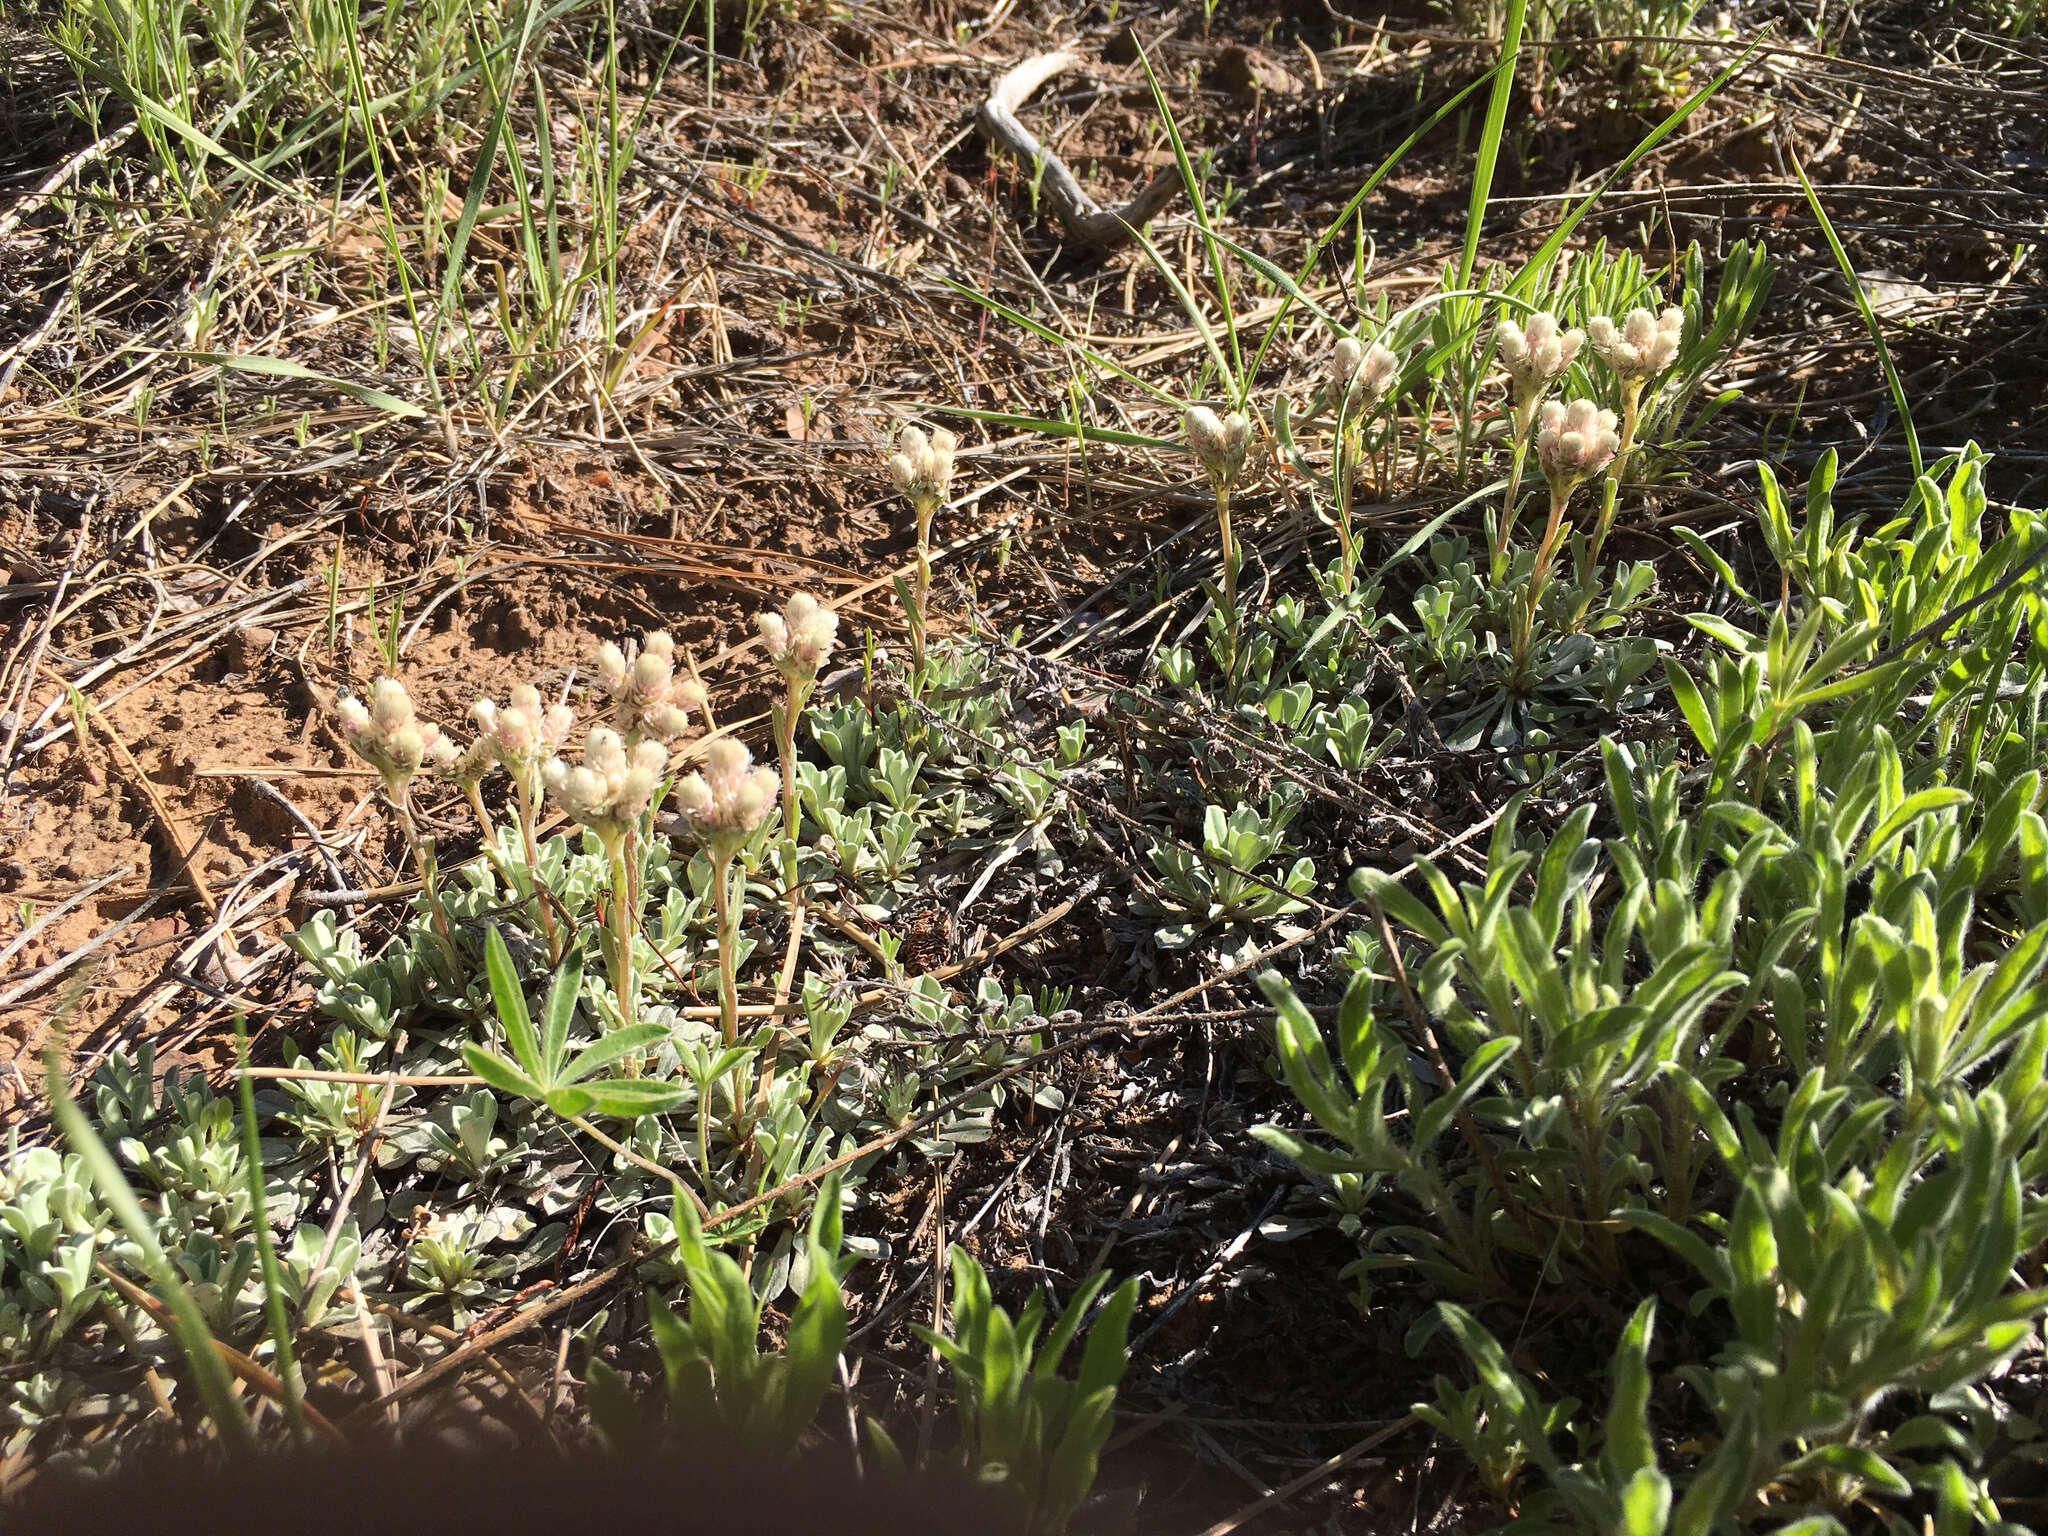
(724, 802)
(387, 734)
(1536, 354)
(464, 767)
(1642, 346)
(922, 469)
(611, 787)
(1574, 442)
(727, 798)
(1363, 373)
(1219, 444)
(524, 734)
(799, 638)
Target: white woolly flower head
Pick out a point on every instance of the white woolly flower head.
(386, 733)
(464, 767)
(728, 797)
(648, 699)
(1219, 443)
(799, 638)
(1536, 353)
(1643, 345)
(922, 465)
(1362, 374)
(1574, 442)
(613, 784)
(524, 734)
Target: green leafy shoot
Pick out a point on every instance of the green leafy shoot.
(540, 1067)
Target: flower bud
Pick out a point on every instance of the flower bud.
(1219, 443)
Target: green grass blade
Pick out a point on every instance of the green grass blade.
(1337, 225)
(1234, 375)
(1196, 318)
(1870, 321)
(1547, 252)
(284, 368)
(1488, 159)
(292, 1389)
(1046, 333)
(486, 159)
(1072, 429)
(163, 117)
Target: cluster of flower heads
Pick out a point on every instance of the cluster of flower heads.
(1642, 346)
(922, 466)
(621, 764)
(612, 786)
(649, 702)
(1574, 442)
(1362, 374)
(464, 767)
(728, 797)
(387, 734)
(799, 638)
(1536, 354)
(524, 734)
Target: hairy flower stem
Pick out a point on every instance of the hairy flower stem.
(728, 978)
(1539, 577)
(623, 862)
(1631, 409)
(786, 715)
(921, 581)
(475, 795)
(528, 812)
(1230, 568)
(1350, 449)
(430, 878)
(728, 937)
(1525, 416)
